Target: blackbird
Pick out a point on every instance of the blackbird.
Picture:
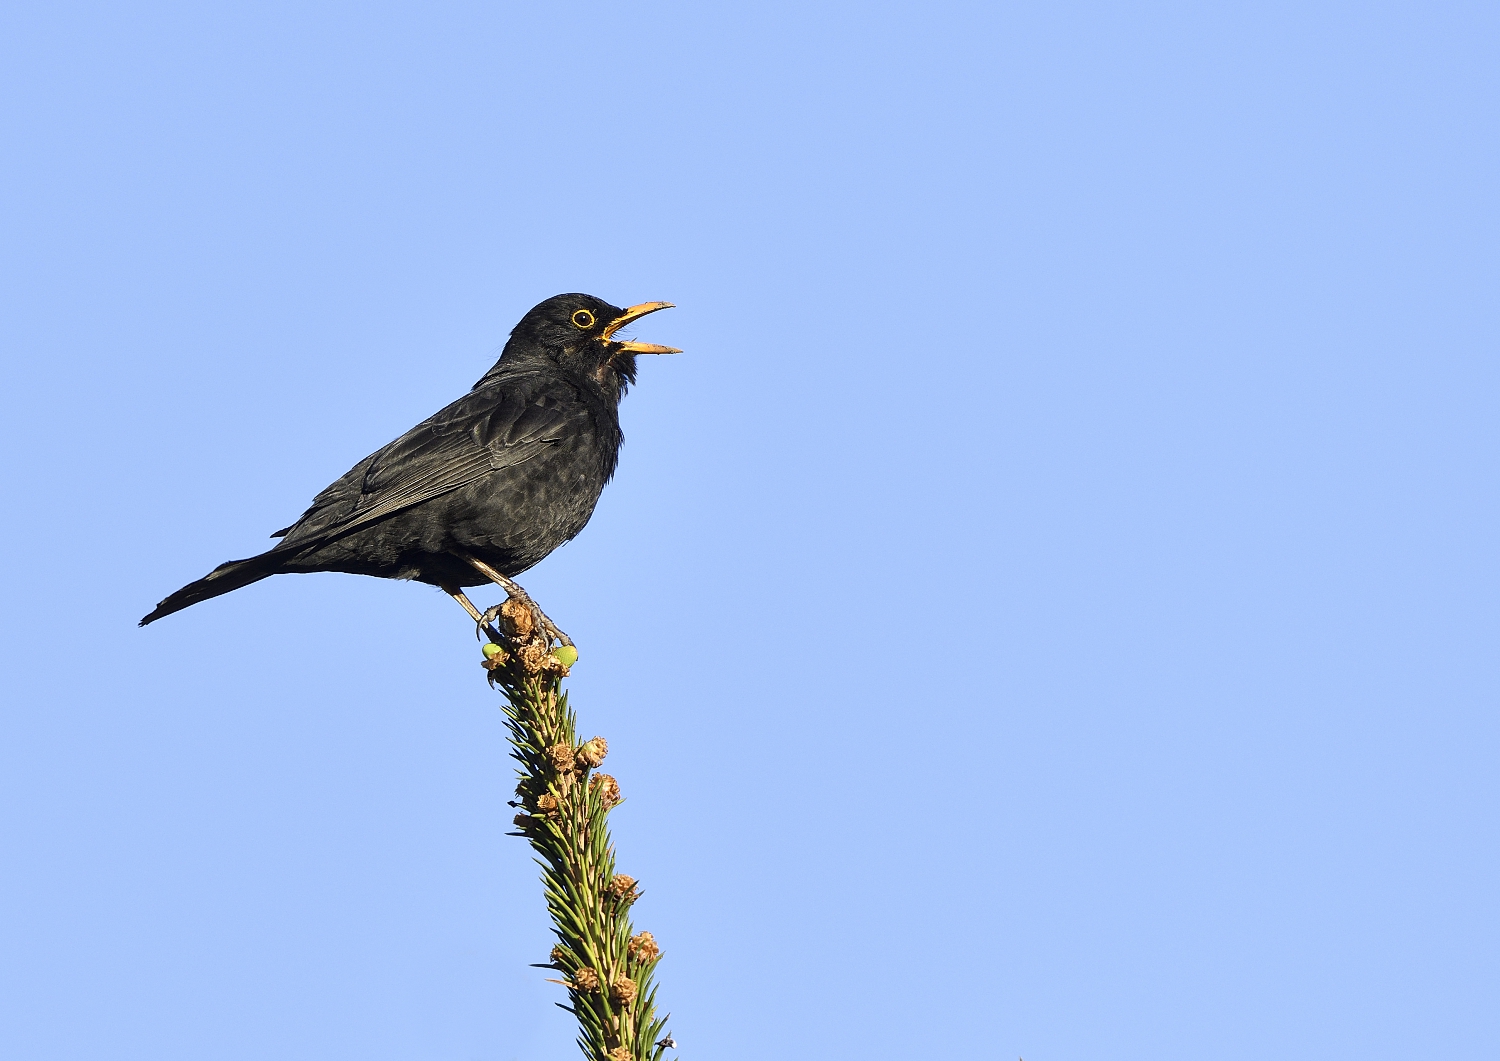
(484, 489)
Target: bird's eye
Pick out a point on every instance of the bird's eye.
(583, 319)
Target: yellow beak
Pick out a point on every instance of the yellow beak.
(635, 313)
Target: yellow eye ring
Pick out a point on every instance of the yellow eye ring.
(583, 319)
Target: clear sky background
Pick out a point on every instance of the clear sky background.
(1049, 611)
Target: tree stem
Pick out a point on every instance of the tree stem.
(565, 804)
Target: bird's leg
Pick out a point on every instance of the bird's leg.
(482, 628)
(515, 592)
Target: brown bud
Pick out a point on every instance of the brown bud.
(619, 1053)
(592, 752)
(608, 789)
(558, 956)
(562, 758)
(586, 979)
(546, 802)
(643, 948)
(522, 821)
(535, 659)
(622, 887)
(515, 619)
(622, 990)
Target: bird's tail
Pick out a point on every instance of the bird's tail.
(221, 579)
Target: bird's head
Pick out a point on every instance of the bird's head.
(578, 332)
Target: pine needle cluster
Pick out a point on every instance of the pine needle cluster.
(564, 804)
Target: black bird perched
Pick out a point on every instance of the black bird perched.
(487, 487)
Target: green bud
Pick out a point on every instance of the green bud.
(567, 655)
(491, 650)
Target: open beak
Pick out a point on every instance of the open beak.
(635, 313)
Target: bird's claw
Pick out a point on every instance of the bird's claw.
(539, 620)
(486, 625)
(550, 628)
(484, 629)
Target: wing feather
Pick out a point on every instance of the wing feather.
(501, 425)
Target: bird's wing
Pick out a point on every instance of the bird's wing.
(495, 427)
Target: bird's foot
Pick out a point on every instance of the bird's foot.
(529, 634)
(524, 640)
(538, 618)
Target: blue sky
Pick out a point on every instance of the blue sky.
(1049, 611)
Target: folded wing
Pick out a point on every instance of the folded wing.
(500, 425)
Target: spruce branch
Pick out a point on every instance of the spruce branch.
(565, 802)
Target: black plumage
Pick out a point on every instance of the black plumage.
(487, 487)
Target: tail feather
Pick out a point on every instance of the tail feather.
(222, 579)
